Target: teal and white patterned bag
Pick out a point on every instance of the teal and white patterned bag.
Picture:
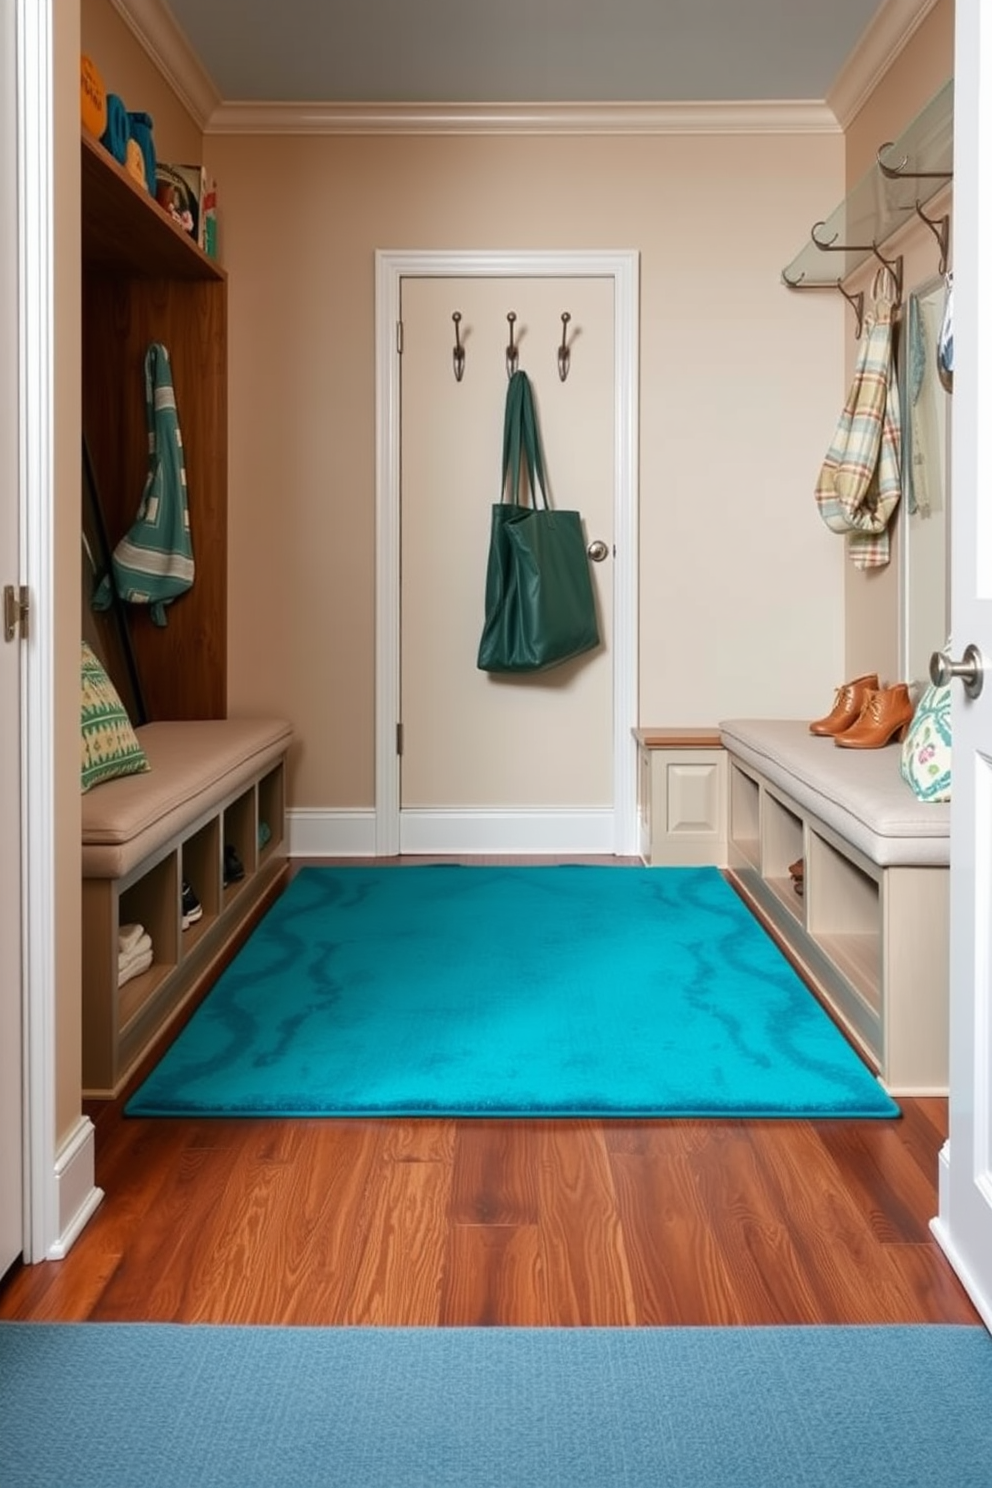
(926, 750)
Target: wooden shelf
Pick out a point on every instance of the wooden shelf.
(125, 231)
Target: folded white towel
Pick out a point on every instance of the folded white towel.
(141, 948)
(128, 937)
(134, 967)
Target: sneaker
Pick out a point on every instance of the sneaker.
(234, 869)
(192, 908)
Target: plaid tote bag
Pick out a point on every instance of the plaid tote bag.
(859, 484)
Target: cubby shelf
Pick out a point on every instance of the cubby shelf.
(120, 1022)
(871, 941)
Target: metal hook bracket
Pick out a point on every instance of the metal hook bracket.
(564, 355)
(900, 173)
(458, 354)
(512, 352)
(941, 229)
(856, 301)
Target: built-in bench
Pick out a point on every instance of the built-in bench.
(213, 786)
(870, 927)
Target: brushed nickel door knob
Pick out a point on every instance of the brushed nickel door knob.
(597, 550)
(971, 670)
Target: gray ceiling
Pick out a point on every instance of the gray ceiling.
(523, 51)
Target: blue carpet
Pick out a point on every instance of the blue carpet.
(488, 991)
(112, 1405)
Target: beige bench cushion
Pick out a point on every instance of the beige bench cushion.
(194, 765)
(858, 792)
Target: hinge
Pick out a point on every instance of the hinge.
(399, 738)
(15, 611)
(399, 337)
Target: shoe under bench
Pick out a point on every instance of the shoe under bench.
(212, 784)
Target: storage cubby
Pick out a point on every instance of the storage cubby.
(240, 831)
(781, 845)
(745, 837)
(148, 902)
(271, 813)
(201, 870)
(844, 917)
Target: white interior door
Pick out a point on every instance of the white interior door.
(480, 749)
(964, 1225)
(11, 1142)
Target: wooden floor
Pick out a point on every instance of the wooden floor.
(573, 1223)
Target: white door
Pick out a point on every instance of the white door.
(964, 1226)
(11, 1145)
(582, 827)
(492, 761)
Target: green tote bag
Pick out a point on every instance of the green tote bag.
(540, 609)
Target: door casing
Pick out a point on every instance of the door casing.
(391, 267)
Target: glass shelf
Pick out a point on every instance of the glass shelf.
(908, 172)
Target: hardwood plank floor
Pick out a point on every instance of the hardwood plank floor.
(456, 1222)
(583, 1223)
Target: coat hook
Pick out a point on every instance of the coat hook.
(564, 355)
(512, 353)
(458, 355)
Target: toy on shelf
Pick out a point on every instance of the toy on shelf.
(93, 97)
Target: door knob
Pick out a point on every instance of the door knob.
(597, 550)
(971, 670)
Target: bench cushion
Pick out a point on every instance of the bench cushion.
(194, 764)
(860, 793)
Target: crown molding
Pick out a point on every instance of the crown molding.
(879, 45)
(522, 118)
(155, 27)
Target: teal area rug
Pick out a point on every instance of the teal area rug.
(111, 1405)
(510, 991)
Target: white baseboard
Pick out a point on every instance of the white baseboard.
(331, 834)
(556, 833)
(351, 834)
(78, 1195)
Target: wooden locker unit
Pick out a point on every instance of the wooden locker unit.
(144, 280)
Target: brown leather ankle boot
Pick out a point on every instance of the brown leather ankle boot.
(848, 702)
(886, 715)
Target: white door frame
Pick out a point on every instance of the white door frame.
(391, 267)
(36, 332)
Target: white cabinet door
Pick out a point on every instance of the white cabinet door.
(964, 1226)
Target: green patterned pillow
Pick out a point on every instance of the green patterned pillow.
(110, 745)
(926, 750)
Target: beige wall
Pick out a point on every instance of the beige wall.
(741, 585)
(872, 599)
